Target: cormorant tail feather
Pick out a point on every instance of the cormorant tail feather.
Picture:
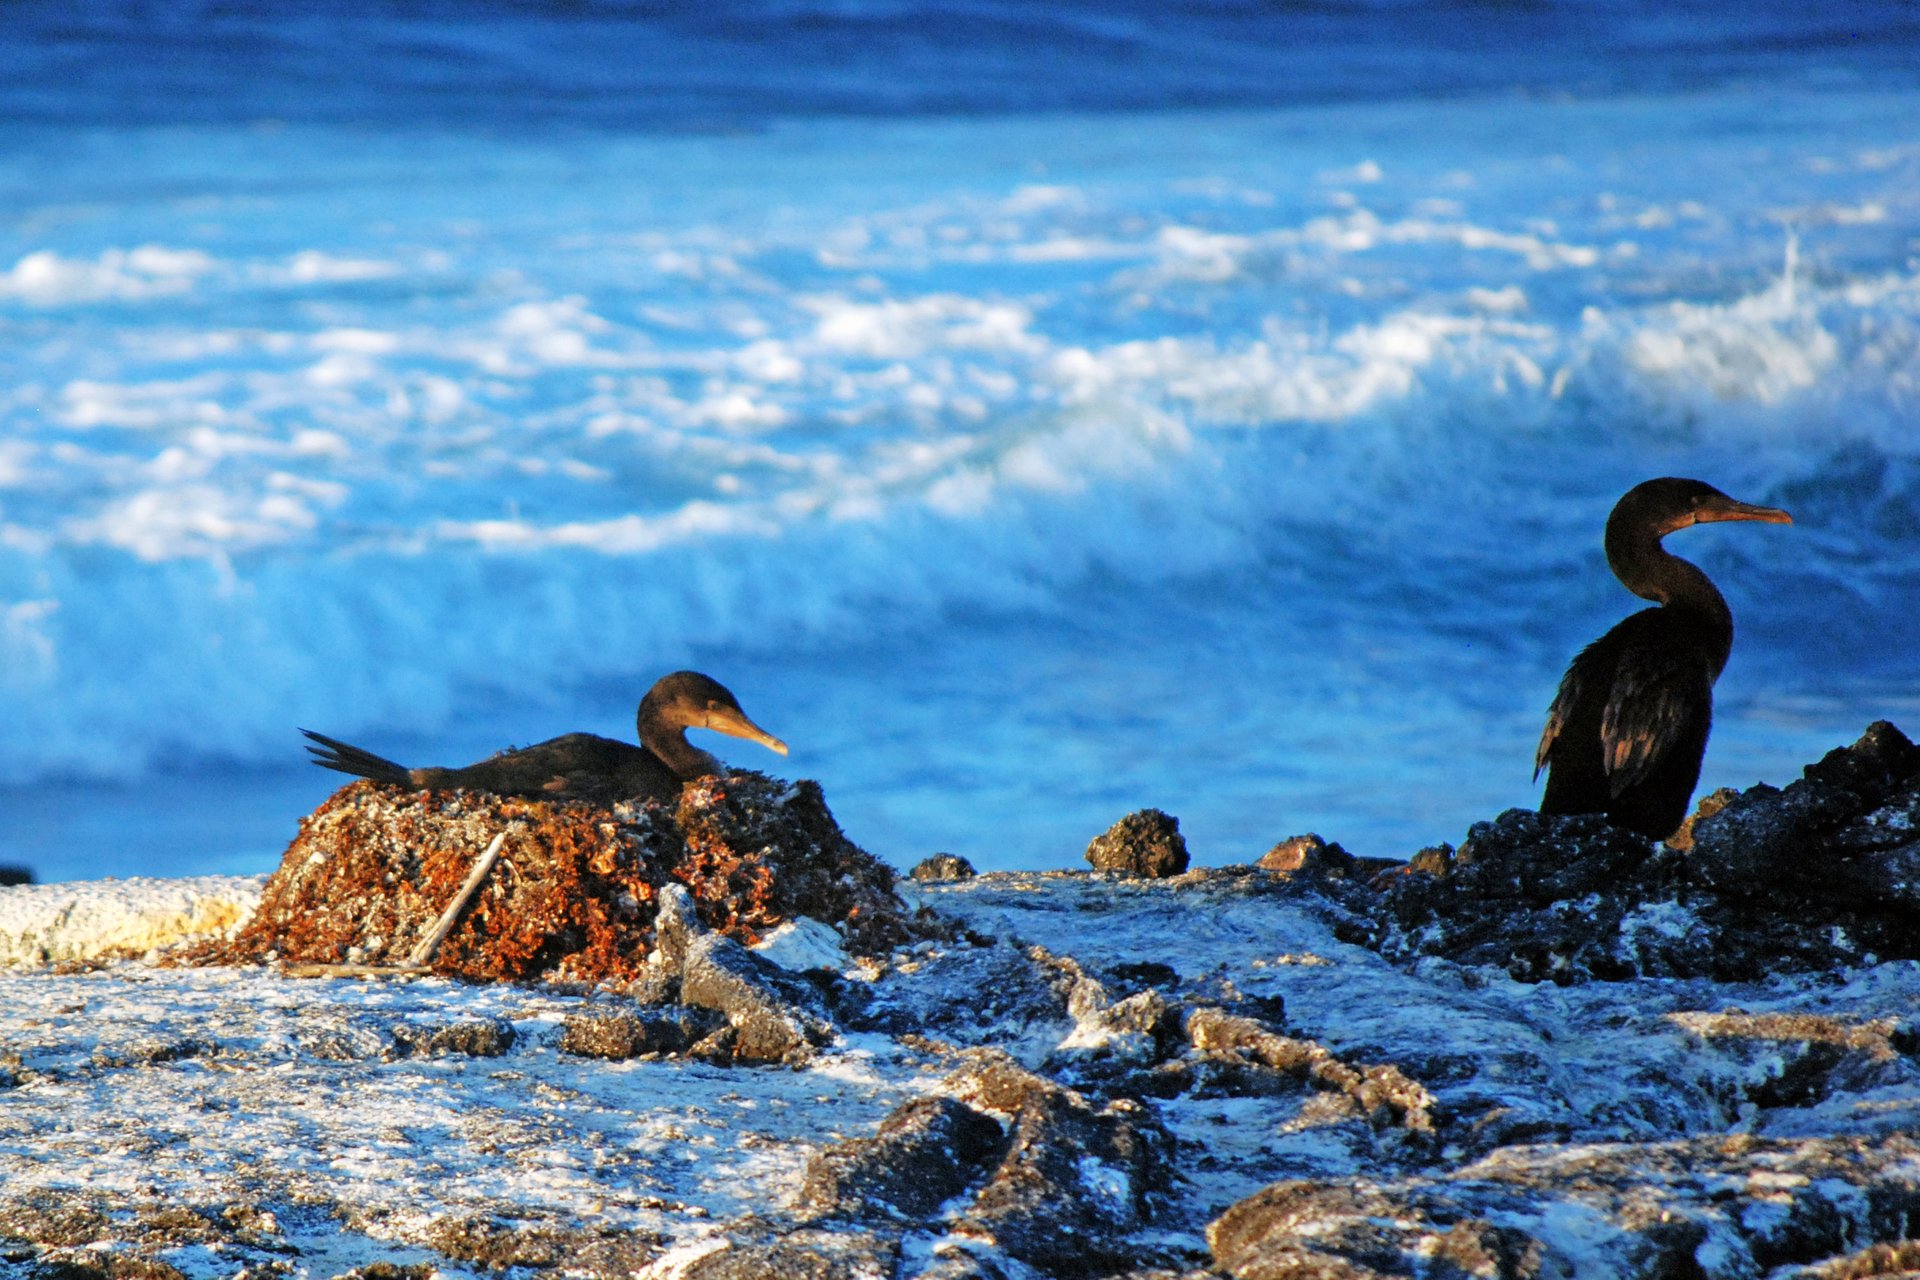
(347, 758)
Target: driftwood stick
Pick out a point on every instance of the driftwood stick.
(316, 970)
(423, 954)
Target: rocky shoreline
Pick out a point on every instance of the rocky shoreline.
(1547, 1052)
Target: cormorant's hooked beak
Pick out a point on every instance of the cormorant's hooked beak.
(1732, 510)
(734, 722)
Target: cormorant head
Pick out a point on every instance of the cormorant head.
(689, 700)
(1658, 507)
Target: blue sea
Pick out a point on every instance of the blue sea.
(1032, 411)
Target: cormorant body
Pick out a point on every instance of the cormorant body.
(585, 764)
(1629, 725)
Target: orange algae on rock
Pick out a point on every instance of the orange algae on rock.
(573, 893)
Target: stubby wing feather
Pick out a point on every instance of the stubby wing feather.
(1661, 697)
(578, 764)
(1561, 712)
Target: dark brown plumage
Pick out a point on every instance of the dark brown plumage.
(585, 764)
(1628, 728)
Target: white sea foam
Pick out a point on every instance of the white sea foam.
(52, 923)
(44, 278)
(1377, 398)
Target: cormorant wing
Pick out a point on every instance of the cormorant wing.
(1564, 702)
(1662, 695)
(569, 763)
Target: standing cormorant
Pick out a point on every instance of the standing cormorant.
(585, 764)
(1628, 727)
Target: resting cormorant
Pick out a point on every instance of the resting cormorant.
(585, 764)
(1627, 729)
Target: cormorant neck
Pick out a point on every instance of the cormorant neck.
(668, 740)
(1653, 573)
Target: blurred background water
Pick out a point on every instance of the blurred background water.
(1032, 411)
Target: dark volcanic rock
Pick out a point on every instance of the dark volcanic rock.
(1523, 893)
(1008, 995)
(1540, 858)
(13, 873)
(925, 1154)
(1847, 833)
(109, 1266)
(942, 866)
(1881, 1262)
(1146, 844)
(1801, 1060)
(1821, 874)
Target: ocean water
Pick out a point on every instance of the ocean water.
(1031, 412)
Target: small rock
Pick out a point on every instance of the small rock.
(1710, 804)
(1435, 860)
(14, 873)
(925, 1154)
(498, 1245)
(716, 1048)
(390, 1271)
(1147, 844)
(1307, 855)
(488, 1038)
(943, 866)
(759, 1248)
(1307, 1230)
(778, 1017)
(629, 1035)
(109, 1266)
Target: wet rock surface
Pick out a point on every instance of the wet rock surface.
(1553, 1051)
(1147, 844)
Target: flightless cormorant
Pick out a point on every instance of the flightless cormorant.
(1627, 729)
(585, 764)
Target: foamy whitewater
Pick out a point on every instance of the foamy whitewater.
(1022, 445)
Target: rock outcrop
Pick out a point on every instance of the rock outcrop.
(1147, 844)
(1821, 874)
(576, 889)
